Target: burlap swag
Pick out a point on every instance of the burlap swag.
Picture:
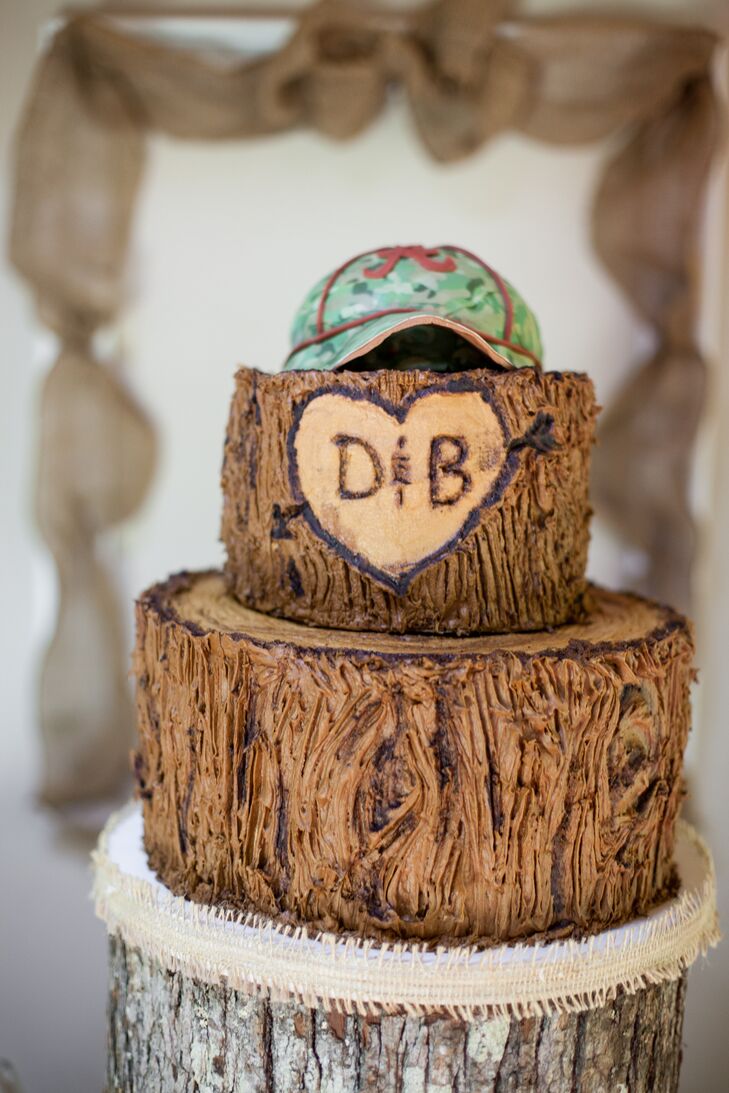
(467, 75)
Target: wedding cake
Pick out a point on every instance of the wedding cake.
(401, 718)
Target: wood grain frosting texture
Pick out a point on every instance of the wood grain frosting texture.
(489, 788)
(409, 501)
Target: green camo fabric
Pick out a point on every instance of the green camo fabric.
(427, 286)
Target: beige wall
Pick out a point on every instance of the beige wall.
(227, 241)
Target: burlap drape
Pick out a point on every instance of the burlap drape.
(467, 75)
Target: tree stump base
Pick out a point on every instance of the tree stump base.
(207, 1000)
(169, 1033)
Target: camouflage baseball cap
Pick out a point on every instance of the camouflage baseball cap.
(416, 302)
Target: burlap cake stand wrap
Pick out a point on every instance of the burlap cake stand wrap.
(202, 967)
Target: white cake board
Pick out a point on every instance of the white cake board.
(255, 954)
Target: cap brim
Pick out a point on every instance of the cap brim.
(339, 350)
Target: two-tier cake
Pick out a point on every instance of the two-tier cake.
(401, 713)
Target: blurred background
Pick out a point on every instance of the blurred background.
(227, 239)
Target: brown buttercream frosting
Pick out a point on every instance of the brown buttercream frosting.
(410, 501)
(489, 788)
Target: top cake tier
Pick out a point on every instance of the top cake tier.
(410, 501)
(413, 469)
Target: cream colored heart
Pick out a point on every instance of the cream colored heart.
(394, 489)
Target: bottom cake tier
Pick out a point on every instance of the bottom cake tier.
(486, 788)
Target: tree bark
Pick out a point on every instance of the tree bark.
(172, 1034)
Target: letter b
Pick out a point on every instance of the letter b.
(447, 456)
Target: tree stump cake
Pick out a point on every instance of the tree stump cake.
(409, 785)
(409, 501)
(492, 788)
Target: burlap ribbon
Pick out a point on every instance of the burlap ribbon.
(467, 74)
(258, 955)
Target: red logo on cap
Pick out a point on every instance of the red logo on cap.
(425, 258)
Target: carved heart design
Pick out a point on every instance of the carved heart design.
(392, 489)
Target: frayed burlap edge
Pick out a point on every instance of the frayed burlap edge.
(253, 954)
